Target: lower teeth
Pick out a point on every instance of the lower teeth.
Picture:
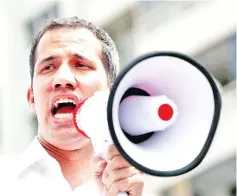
(63, 116)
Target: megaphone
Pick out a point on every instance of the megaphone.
(161, 113)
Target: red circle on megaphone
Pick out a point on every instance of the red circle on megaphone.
(165, 112)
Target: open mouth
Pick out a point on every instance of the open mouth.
(63, 109)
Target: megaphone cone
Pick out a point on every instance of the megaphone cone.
(161, 113)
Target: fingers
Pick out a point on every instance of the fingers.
(117, 167)
(100, 165)
(132, 185)
(119, 174)
(117, 162)
(112, 152)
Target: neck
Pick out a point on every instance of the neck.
(76, 165)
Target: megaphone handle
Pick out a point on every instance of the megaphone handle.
(101, 148)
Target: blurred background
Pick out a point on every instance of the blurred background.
(204, 30)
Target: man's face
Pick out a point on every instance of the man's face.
(68, 69)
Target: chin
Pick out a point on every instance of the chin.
(68, 138)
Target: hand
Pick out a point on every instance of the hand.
(117, 175)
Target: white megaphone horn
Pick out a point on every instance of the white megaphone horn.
(161, 113)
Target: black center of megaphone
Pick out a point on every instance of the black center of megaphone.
(138, 138)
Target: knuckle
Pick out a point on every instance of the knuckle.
(110, 149)
(114, 164)
(117, 159)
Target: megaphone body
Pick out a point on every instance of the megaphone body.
(150, 114)
(161, 113)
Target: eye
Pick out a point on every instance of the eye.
(81, 65)
(48, 68)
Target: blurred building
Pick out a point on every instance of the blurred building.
(205, 30)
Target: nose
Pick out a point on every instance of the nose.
(64, 78)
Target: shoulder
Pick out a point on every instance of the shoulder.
(5, 161)
(7, 165)
(13, 162)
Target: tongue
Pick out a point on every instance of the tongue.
(65, 110)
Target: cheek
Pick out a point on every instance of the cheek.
(40, 96)
(94, 83)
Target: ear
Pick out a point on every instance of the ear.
(110, 85)
(30, 98)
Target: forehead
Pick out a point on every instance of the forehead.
(72, 39)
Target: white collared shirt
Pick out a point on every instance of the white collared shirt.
(35, 173)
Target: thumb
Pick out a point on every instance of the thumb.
(99, 166)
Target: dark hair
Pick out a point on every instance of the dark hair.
(109, 51)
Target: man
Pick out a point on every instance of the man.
(70, 60)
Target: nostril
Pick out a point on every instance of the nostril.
(64, 85)
(69, 85)
(57, 85)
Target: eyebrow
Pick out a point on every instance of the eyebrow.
(82, 57)
(48, 59)
(79, 56)
(75, 55)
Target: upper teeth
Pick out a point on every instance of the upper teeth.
(64, 100)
